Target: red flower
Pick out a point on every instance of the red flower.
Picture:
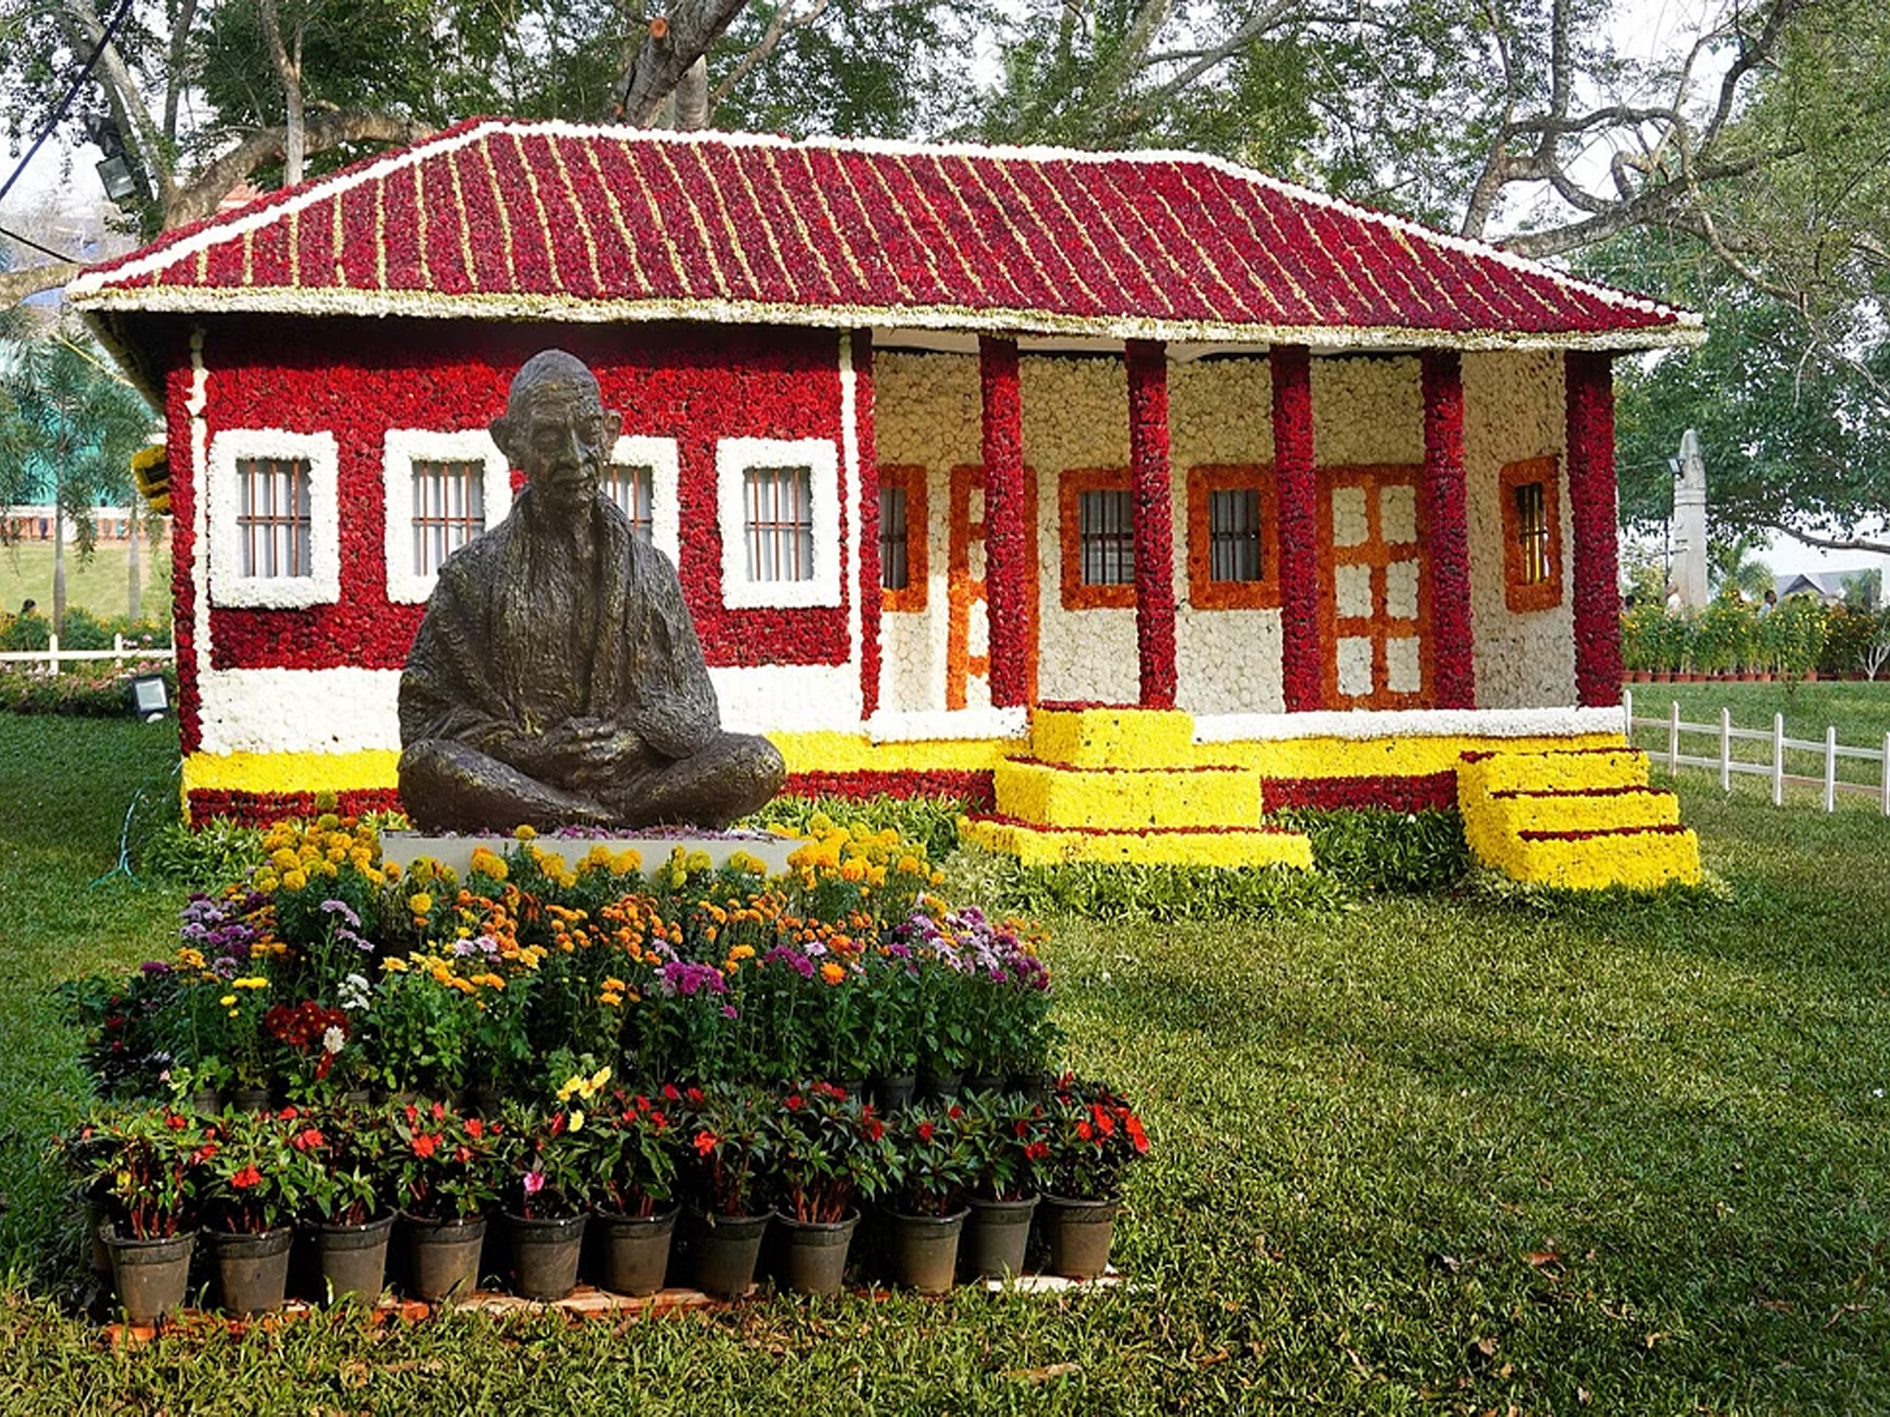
(1083, 1130)
(462, 1154)
(247, 1177)
(306, 1140)
(670, 1094)
(475, 1127)
(1037, 1150)
(1133, 1126)
(925, 1131)
(425, 1144)
(439, 1111)
(705, 1143)
(175, 1122)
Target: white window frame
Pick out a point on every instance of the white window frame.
(228, 585)
(659, 456)
(400, 449)
(734, 458)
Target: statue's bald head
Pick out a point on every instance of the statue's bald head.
(556, 429)
(547, 369)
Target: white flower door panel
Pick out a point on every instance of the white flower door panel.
(1374, 589)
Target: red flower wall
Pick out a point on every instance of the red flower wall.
(869, 593)
(1591, 496)
(1154, 517)
(1005, 546)
(1300, 665)
(358, 379)
(1446, 504)
(1396, 794)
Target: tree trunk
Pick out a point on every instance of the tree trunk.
(134, 570)
(692, 96)
(59, 566)
(289, 71)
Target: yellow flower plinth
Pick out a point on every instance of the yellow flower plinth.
(1128, 799)
(1641, 859)
(1115, 737)
(1052, 846)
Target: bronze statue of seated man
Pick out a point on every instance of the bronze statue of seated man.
(556, 679)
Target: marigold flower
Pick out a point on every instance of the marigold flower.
(833, 973)
(420, 903)
(227, 1000)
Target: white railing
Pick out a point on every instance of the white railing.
(1773, 766)
(53, 656)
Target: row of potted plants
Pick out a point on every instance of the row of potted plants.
(325, 965)
(738, 1158)
(1729, 637)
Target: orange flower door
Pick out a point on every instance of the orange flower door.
(967, 626)
(1374, 589)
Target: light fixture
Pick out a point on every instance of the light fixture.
(121, 183)
(150, 697)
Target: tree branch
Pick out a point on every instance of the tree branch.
(17, 284)
(783, 20)
(1830, 543)
(324, 130)
(674, 44)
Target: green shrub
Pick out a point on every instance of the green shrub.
(95, 690)
(1848, 634)
(202, 858)
(1165, 893)
(1371, 851)
(931, 820)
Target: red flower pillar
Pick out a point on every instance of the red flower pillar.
(1299, 527)
(1005, 574)
(1445, 507)
(1154, 531)
(1590, 378)
(867, 444)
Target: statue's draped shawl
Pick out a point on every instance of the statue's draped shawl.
(514, 640)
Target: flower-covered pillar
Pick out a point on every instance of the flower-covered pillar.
(859, 346)
(1446, 509)
(1005, 573)
(1591, 493)
(1298, 493)
(1154, 533)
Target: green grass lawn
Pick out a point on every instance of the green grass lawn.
(100, 585)
(1419, 1155)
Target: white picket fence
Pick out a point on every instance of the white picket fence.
(53, 656)
(1774, 766)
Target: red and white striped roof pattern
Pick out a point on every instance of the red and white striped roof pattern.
(506, 219)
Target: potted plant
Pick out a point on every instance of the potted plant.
(891, 1031)
(550, 1178)
(250, 1196)
(142, 1167)
(824, 1149)
(727, 1153)
(313, 1041)
(344, 1164)
(446, 1179)
(634, 1140)
(421, 1029)
(1092, 1137)
(923, 1190)
(1005, 1138)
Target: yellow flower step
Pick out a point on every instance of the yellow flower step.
(1121, 736)
(1638, 858)
(1586, 809)
(1479, 774)
(1054, 846)
(1126, 799)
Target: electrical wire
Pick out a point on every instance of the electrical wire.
(65, 104)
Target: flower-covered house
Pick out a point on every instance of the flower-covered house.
(961, 454)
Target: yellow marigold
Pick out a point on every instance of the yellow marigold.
(741, 952)
(833, 973)
(227, 1000)
(610, 997)
(266, 882)
(393, 965)
(613, 983)
(190, 958)
(250, 981)
(294, 880)
(391, 870)
(422, 903)
(524, 833)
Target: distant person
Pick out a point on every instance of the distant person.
(1769, 604)
(28, 607)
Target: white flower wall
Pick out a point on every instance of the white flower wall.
(1514, 408)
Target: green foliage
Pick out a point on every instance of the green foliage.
(930, 821)
(1168, 892)
(202, 858)
(1848, 635)
(1372, 851)
(83, 691)
(1794, 634)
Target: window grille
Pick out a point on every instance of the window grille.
(1106, 537)
(1532, 532)
(272, 520)
(449, 509)
(778, 521)
(895, 571)
(1234, 535)
(630, 486)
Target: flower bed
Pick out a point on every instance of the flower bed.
(327, 977)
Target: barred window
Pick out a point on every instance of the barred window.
(1234, 536)
(1106, 537)
(895, 570)
(449, 509)
(1532, 533)
(273, 519)
(631, 487)
(778, 523)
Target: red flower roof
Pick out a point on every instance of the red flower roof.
(506, 219)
